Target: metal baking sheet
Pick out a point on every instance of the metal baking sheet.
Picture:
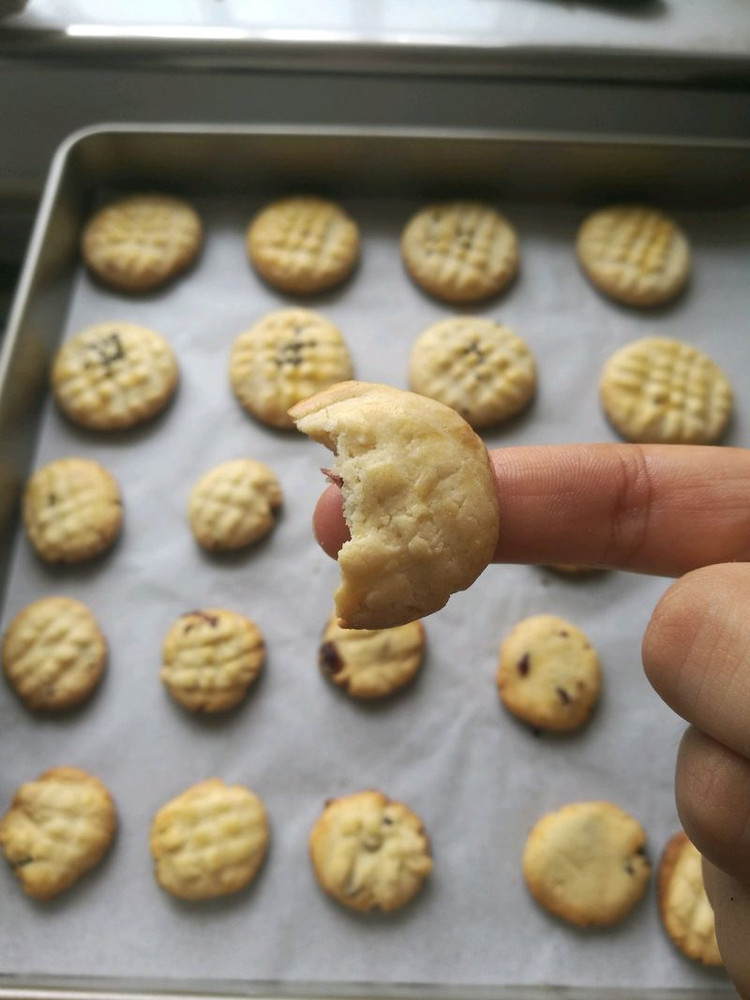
(478, 779)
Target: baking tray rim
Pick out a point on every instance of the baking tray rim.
(62, 156)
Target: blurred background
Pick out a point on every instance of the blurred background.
(639, 67)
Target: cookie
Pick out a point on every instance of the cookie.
(54, 653)
(586, 863)
(209, 841)
(57, 828)
(210, 659)
(549, 676)
(369, 852)
(234, 505)
(460, 251)
(371, 663)
(114, 375)
(72, 510)
(663, 391)
(634, 254)
(140, 242)
(286, 357)
(303, 244)
(685, 911)
(477, 367)
(419, 499)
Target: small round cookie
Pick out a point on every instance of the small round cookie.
(303, 244)
(683, 904)
(234, 505)
(286, 357)
(72, 510)
(58, 827)
(371, 663)
(114, 375)
(663, 391)
(209, 841)
(369, 852)
(54, 654)
(460, 251)
(549, 676)
(141, 242)
(634, 254)
(419, 499)
(210, 659)
(477, 367)
(586, 863)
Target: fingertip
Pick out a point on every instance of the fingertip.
(329, 527)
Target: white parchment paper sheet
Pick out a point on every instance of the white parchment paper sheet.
(478, 778)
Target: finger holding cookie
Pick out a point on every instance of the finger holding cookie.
(678, 510)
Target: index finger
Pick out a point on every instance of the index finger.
(662, 509)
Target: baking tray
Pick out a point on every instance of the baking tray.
(544, 184)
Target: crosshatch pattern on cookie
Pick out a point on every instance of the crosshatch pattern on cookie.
(210, 658)
(477, 367)
(72, 510)
(635, 254)
(114, 375)
(57, 828)
(460, 251)
(662, 390)
(303, 244)
(54, 653)
(286, 357)
(210, 840)
(141, 241)
(234, 504)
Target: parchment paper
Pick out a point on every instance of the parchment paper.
(478, 778)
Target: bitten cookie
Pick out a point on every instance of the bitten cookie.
(211, 658)
(54, 653)
(234, 505)
(685, 911)
(141, 242)
(586, 863)
(634, 254)
(477, 367)
(460, 251)
(658, 390)
(371, 663)
(303, 244)
(286, 357)
(369, 852)
(419, 499)
(209, 841)
(72, 510)
(549, 675)
(57, 828)
(114, 375)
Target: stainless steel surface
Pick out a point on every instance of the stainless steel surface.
(239, 161)
(196, 991)
(62, 99)
(630, 39)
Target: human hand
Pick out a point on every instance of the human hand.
(674, 511)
